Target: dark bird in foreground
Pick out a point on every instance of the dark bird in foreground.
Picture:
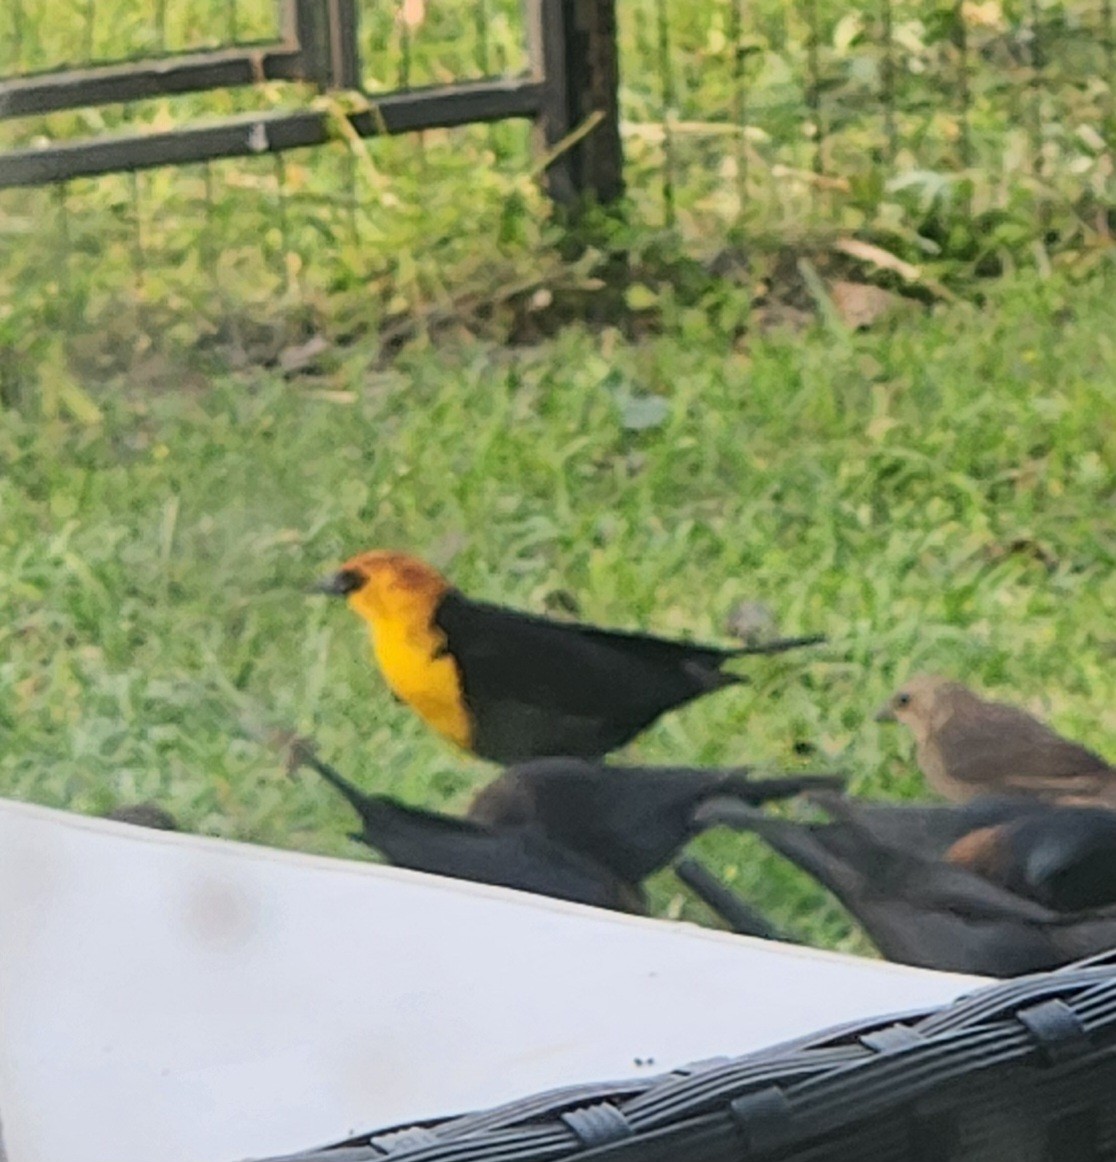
(740, 917)
(518, 857)
(1063, 857)
(632, 820)
(144, 815)
(967, 746)
(511, 686)
(885, 864)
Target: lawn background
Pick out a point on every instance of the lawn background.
(217, 383)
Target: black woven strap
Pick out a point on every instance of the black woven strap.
(1057, 1028)
(892, 1038)
(409, 1139)
(598, 1125)
(765, 1118)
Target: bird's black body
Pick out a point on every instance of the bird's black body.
(1063, 857)
(632, 820)
(144, 815)
(536, 688)
(511, 857)
(917, 908)
(927, 829)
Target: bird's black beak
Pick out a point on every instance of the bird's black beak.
(338, 584)
(886, 713)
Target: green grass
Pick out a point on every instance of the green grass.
(938, 494)
(1018, 174)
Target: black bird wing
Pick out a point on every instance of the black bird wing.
(511, 857)
(925, 830)
(1064, 857)
(921, 911)
(536, 687)
(627, 818)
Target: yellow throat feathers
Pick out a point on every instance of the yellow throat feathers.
(399, 602)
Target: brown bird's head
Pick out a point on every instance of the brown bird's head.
(921, 703)
(386, 586)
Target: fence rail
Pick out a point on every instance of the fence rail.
(961, 137)
(572, 52)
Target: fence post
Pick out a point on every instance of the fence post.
(573, 51)
(326, 34)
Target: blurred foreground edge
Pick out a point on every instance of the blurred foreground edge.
(173, 997)
(1023, 1070)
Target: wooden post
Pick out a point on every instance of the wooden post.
(574, 56)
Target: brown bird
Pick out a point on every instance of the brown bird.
(883, 863)
(631, 820)
(511, 686)
(968, 746)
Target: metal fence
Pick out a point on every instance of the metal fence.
(983, 130)
(316, 43)
(749, 91)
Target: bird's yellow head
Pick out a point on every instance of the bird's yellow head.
(919, 702)
(384, 586)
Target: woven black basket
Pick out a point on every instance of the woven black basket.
(1023, 1071)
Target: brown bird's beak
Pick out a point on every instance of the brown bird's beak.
(885, 713)
(338, 584)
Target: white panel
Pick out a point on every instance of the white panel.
(169, 998)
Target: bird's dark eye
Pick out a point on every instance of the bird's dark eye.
(902, 700)
(349, 580)
(339, 584)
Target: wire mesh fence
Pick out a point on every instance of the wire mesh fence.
(791, 113)
(35, 35)
(964, 129)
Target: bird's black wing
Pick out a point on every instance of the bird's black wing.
(516, 858)
(923, 912)
(1066, 857)
(631, 819)
(925, 830)
(536, 687)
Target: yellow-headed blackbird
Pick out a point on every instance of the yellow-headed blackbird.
(511, 686)
(631, 820)
(967, 746)
(1063, 857)
(883, 863)
(519, 857)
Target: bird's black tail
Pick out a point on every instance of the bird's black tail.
(754, 791)
(741, 917)
(777, 646)
(302, 754)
